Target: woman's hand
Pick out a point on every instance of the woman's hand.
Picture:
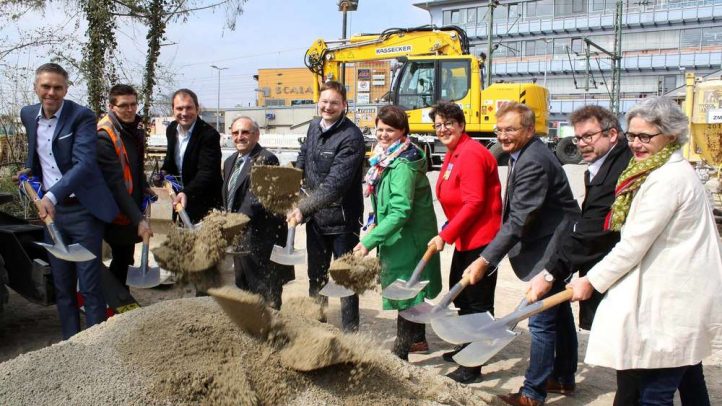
(582, 289)
(438, 242)
(360, 251)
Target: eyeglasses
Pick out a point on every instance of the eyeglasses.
(509, 130)
(448, 125)
(587, 138)
(125, 106)
(241, 132)
(642, 137)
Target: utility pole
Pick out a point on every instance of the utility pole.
(344, 6)
(218, 100)
(617, 69)
(490, 40)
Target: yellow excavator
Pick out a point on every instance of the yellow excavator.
(436, 65)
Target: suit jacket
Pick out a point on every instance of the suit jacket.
(201, 167)
(538, 210)
(265, 228)
(74, 149)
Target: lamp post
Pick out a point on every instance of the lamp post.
(343, 7)
(218, 100)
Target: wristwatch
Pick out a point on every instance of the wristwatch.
(548, 276)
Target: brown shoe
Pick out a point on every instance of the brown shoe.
(553, 386)
(421, 347)
(517, 399)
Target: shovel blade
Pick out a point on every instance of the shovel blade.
(245, 309)
(399, 291)
(479, 352)
(461, 329)
(140, 278)
(281, 256)
(75, 252)
(426, 311)
(333, 289)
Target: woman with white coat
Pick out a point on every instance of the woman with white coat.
(663, 280)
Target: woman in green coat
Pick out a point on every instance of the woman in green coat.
(404, 221)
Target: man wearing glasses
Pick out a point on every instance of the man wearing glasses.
(121, 143)
(538, 209)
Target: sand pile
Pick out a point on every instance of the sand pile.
(277, 187)
(356, 273)
(186, 351)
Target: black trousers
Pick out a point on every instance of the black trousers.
(407, 333)
(320, 247)
(257, 276)
(657, 386)
(477, 298)
(122, 259)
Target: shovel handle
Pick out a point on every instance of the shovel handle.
(178, 207)
(454, 291)
(292, 223)
(553, 300)
(36, 200)
(430, 251)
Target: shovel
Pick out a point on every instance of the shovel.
(402, 290)
(465, 329)
(179, 207)
(426, 311)
(144, 276)
(333, 289)
(288, 255)
(73, 252)
(495, 335)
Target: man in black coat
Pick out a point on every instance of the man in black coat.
(253, 268)
(121, 142)
(331, 159)
(194, 156)
(538, 209)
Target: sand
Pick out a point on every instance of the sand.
(356, 273)
(277, 187)
(186, 352)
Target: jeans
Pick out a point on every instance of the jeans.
(320, 247)
(77, 225)
(553, 352)
(647, 387)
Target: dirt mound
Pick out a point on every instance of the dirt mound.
(187, 352)
(356, 273)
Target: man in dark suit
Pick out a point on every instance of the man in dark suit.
(61, 153)
(194, 156)
(538, 209)
(254, 270)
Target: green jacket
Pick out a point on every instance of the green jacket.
(405, 222)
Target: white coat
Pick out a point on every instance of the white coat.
(663, 280)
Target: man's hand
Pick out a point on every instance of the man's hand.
(476, 270)
(538, 287)
(582, 289)
(360, 251)
(144, 230)
(296, 215)
(438, 242)
(180, 198)
(46, 208)
(18, 174)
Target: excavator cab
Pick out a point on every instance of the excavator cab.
(422, 82)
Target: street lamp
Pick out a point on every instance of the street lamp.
(218, 100)
(343, 7)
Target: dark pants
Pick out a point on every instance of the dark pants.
(77, 225)
(553, 350)
(122, 259)
(407, 333)
(256, 278)
(637, 387)
(320, 247)
(478, 298)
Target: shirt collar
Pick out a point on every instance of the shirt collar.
(56, 115)
(182, 133)
(325, 127)
(515, 154)
(595, 166)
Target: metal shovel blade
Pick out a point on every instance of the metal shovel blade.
(461, 329)
(399, 290)
(281, 255)
(143, 276)
(333, 289)
(74, 253)
(426, 311)
(479, 352)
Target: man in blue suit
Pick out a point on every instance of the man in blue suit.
(62, 139)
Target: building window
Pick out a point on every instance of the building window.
(542, 8)
(471, 16)
(567, 8)
(446, 17)
(455, 16)
(275, 102)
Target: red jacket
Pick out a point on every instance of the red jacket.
(469, 191)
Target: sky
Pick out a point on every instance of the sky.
(269, 34)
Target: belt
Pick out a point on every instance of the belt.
(70, 201)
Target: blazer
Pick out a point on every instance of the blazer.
(201, 167)
(538, 209)
(469, 191)
(74, 149)
(662, 280)
(265, 229)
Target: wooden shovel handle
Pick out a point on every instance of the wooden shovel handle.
(292, 222)
(553, 300)
(178, 207)
(430, 251)
(36, 200)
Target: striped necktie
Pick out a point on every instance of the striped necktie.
(233, 182)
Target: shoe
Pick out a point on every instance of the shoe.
(403, 355)
(421, 347)
(553, 386)
(466, 374)
(449, 356)
(518, 399)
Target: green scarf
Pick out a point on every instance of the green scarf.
(629, 183)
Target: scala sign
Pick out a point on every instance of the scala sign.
(293, 90)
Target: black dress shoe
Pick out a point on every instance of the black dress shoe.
(449, 356)
(466, 374)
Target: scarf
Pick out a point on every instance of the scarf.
(381, 159)
(629, 183)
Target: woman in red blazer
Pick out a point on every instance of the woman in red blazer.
(469, 191)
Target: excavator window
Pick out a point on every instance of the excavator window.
(416, 89)
(454, 80)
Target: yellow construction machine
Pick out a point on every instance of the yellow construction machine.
(436, 65)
